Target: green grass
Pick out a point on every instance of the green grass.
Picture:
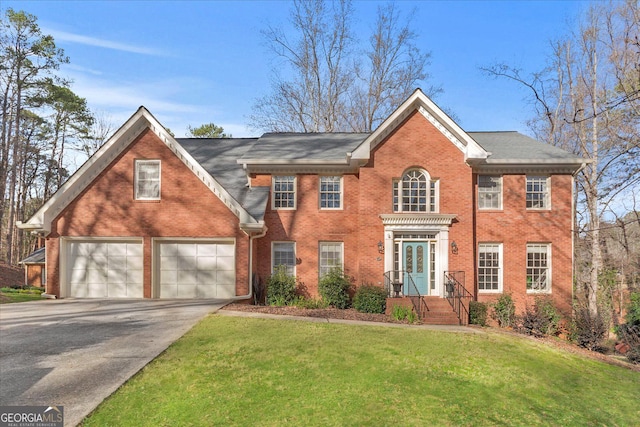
(10, 295)
(260, 372)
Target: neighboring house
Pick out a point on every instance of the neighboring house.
(152, 216)
(34, 269)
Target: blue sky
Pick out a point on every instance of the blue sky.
(193, 62)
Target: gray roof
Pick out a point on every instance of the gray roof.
(36, 257)
(305, 146)
(219, 157)
(514, 147)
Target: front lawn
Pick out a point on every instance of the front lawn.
(262, 372)
(9, 295)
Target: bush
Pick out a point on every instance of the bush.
(334, 288)
(542, 319)
(630, 335)
(400, 313)
(504, 311)
(281, 287)
(370, 299)
(633, 309)
(478, 313)
(588, 330)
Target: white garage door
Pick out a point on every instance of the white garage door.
(105, 269)
(197, 269)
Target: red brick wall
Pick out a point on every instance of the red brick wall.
(514, 226)
(187, 209)
(367, 195)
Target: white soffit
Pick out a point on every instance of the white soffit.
(119, 141)
(428, 109)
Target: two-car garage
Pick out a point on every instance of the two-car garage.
(114, 268)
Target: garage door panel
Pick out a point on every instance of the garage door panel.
(196, 268)
(105, 269)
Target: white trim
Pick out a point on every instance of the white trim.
(328, 242)
(549, 267)
(413, 220)
(141, 120)
(138, 162)
(341, 181)
(273, 193)
(500, 195)
(547, 193)
(294, 254)
(427, 108)
(500, 268)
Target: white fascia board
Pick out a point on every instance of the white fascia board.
(119, 141)
(419, 101)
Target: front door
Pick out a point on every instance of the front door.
(416, 264)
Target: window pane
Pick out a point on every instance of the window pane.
(538, 267)
(489, 267)
(330, 256)
(147, 175)
(284, 192)
(330, 192)
(537, 193)
(284, 254)
(489, 192)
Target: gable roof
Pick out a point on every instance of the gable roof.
(141, 120)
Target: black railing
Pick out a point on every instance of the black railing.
(399, 283)
(457, 294)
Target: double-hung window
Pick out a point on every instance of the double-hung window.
(283, 191)
(147, 180)
(284, 254)
(538, 192)
(538, 267)
(415, 192)
(490, 267)
(330, 257)
(489, 192)
(330, 192)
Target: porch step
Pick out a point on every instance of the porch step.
(439, 310)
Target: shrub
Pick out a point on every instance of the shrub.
(541, 319)
(504, 311)
(588, 330)
(630, 335)
(334, 288)
(400, 313)
(478, 313)
(281, 287)
(633, 309)
(370, 299)
(303, 302)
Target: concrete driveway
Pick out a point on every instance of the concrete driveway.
(75, 353)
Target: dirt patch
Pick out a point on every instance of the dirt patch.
(10, 275)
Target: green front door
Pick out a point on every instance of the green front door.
(416, 264)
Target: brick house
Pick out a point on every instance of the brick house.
(418, 203)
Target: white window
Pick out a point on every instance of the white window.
(490, 267)
(283, 192)
(489, 192)
(284, 253)
(538, 192)
(147, 180)
(330, 256)
(415, 192)
(538, 267)
(330, 192)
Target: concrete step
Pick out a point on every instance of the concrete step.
(439, 310)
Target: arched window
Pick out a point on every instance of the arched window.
(415, 192)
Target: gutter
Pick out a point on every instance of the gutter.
(251, 239)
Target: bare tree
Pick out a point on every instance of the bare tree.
(587, 102)
(325, 82)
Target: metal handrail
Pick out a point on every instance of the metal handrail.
(456, 293)
(394, 285)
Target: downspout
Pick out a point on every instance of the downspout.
(251, 238)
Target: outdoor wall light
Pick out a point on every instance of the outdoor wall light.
(454, 247)
(380, 247)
